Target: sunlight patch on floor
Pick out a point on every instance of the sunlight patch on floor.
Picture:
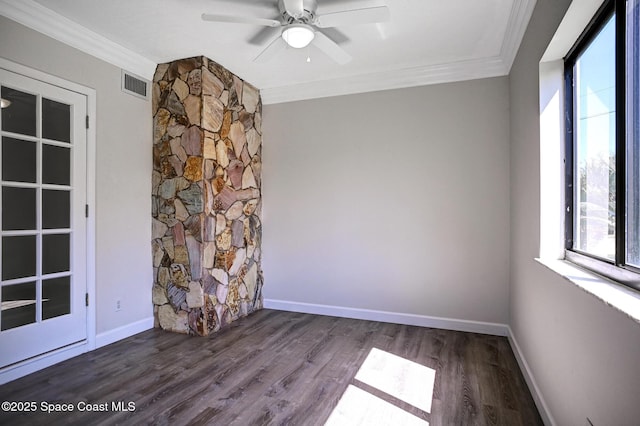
(358, 407)
(406, 380)
(393, 375)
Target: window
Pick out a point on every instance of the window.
(602, 76)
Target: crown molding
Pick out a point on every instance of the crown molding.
(516, 26)
(391, 79)
(39, 18)
(521, 12)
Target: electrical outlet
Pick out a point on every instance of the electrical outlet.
(118, 305)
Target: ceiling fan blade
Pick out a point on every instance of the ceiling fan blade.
(369, 15)
(264, 35)
(330, 48)
(294, 8)
(275, 47)
(240, 20)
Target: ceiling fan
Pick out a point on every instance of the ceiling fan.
(300, 26)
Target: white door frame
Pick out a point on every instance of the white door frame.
(42, 361)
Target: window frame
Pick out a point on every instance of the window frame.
(617, 269)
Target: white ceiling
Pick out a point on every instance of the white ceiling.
(425, 41)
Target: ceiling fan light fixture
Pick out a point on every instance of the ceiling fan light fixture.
(298, 35)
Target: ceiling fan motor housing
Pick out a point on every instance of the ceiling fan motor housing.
(308, 16)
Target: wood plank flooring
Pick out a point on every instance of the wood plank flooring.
(278, 368)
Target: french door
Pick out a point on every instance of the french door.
(42, 215)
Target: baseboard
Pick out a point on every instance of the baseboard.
(47, 360)
(495, 329)
(111, 336)
(41, 362)
(547, 418)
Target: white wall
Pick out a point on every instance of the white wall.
(123, 175)
(394, 201)
(582, 354)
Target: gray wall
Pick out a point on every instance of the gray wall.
(583, 354)
(393, 201)
(123, 175)
(396, 201)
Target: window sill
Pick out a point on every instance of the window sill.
(613, 294)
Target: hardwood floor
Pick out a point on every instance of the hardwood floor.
(277, 367)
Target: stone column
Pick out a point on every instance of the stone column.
(206, 196)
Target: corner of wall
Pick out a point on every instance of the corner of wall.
(206, 210)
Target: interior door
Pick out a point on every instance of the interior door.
(42, 214)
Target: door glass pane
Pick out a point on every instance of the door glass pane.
(18, 257)
(18, 160)
(20, 115)
(55, 253)
(18, 208)
(18, 305)
(56, 297)
(55, 165)
(633, 133)
(56, 121)
(595, 146)
(55, 209)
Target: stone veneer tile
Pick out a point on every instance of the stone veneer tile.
(195, 296)
(193, 169)
(209, 170)
(238, 138)
(177, 149)
(235, 170)
(245, 157)
(158, 229)
(235, 211)
(209, 148)
(181, 211)
(221, 154)
(181, 88)
(221, 223)
(192, 141)
(220, 275)
(178, 234)
(211, 85)
(255, 140)
(251, 278)
(176, 164)
(192, 198)
(209, 231)
(250, 98)
(238, 261)
(178, 273)
(246, 119)
(194, 80)
(193, 106)
(237, 234)
(257, 122)
(172, 321)
(209, 255)
(224, 199)
(223, 241)
(248, 180)
(212, 114)
(206, 196)
(173, 104)
(160, 123)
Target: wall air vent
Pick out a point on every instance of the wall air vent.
(135, 85)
